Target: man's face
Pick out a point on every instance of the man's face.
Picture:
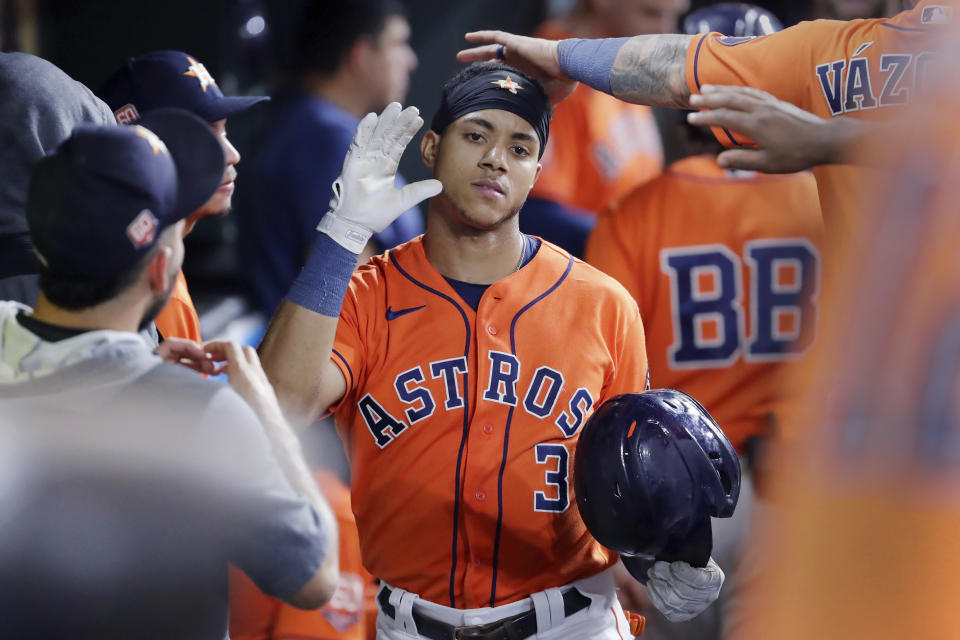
(219, 202)
(487, 162)
(390, 64)
(640, 17)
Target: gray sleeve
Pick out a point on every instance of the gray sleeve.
(273, 533)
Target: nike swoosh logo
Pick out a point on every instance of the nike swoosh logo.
(393, 315)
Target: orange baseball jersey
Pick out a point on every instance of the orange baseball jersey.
(862, 69)
(599, 148)
(256, 616)
(178, 318)
(725, 266)
(867, 546)
(460, 425)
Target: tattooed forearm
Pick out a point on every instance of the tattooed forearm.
(652, 70)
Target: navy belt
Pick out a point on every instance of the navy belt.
(516, 627)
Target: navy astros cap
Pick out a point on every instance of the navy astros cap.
(98, 203)
(169, 79)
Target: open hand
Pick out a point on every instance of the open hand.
(788, 138)
(534, 56)
(365, 199)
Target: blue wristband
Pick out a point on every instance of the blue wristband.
(324, 279)
(590, 61)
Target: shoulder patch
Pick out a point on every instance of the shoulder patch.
(730, 41)
(936, 14)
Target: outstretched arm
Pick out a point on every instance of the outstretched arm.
(647, 70)
(652, 70)
(296, 348)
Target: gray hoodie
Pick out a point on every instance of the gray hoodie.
(126, 487)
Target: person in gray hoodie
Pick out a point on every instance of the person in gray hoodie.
(127, 482)
(41, 105)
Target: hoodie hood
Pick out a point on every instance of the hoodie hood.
(24, 357)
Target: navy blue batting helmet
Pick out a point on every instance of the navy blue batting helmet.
(735, 19)
(650, 470)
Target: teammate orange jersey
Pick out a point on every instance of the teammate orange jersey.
(726, 269)
(460, 425)
(178, 319)
(861, 69)
(256, 616)
(867, 546)
(599, 149)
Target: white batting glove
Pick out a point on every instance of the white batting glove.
(365, 200)
(681, 592)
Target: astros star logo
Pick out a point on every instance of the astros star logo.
(507, 84)
(198, 71)
(155, 143)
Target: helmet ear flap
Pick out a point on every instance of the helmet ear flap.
(723, 476)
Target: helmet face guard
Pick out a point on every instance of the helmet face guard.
(650, 471)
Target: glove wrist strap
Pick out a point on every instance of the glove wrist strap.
(349, 235)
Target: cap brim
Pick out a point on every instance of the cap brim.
(196, 152)
(230, 105)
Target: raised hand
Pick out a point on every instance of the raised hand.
(365, 200)
(535, 56)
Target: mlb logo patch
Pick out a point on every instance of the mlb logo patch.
(126, 114)
(936, 14)
(730, 41)
(143, 229)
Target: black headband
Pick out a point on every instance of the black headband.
(497, 89)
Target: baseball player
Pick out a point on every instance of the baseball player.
(727, 290)
(602, 147)
(873, 487)
(459, 374)
(176, 79)
(862, 69)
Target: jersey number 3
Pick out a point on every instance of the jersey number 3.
(706, 297)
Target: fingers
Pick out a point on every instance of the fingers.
(417, 192)
(749, 160)
(680, 591)
(406, 126)
(362, 136)
(697, 578)
(225, 351)
(479, 54)
(188, 354)
(729, 118)
(384, 129)
(736, 89)
(726, 99)
(500, 37)
(173, 348)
